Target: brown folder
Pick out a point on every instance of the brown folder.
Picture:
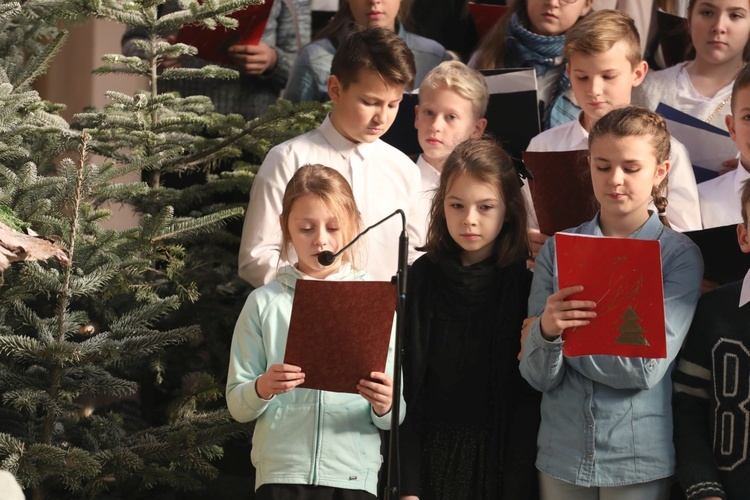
(339, 331)
(674, 37)
(561, 189)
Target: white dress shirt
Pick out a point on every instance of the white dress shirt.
(683, 210)
(383, 179)
(430, 184)
(721, 198)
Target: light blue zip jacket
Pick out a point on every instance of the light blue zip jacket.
(304, 436)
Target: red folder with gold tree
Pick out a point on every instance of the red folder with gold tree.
(624, 277)
(339, 331)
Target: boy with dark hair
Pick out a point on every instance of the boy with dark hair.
(371, 69)
(712, 389)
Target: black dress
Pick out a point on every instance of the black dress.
(472, 421)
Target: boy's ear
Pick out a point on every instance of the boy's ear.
(729, 120)
(743, 238)
(567, 69)
(639, 73)
(416, 115)
(334, 89)
(479, 128)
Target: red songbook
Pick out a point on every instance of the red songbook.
(485, 16)
(339, 331)
(213, 44)
(623, 276)
(561, 189)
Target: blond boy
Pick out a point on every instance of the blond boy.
(452, 102)
(720, 197)
(370, 71)
(604, 64)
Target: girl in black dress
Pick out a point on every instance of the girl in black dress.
(471, 425)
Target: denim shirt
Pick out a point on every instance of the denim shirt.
(308, 80)
(607, 420)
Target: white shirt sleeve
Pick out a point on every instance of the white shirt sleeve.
(683, 209)
(260, 246)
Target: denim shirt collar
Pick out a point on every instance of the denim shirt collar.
(650, 230)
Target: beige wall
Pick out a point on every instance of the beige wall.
(69, 81)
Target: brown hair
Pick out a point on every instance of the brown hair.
(599, 31)
(487, 162)
(631, 121)
(376, 49)
(690, 50)
(491, 50)
(745, 199)
(333, 190)
(742, 81)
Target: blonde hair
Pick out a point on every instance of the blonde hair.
(334, 191)
(631, 121)
(600, 31)
(461, 79)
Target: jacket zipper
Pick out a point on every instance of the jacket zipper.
(317, 439)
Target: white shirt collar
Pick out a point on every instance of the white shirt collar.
(340, 143)
(427, 169)
(745, 293)
(740, 176)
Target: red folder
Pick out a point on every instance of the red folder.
(212, 44)
(339, 331)
(623, 276)
(485, 16)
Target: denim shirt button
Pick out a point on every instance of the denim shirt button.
(651, 365)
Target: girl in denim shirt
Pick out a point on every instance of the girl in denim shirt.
(606, 428)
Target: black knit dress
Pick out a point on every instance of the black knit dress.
(472, 420)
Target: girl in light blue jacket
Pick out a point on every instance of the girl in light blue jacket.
(306, 442)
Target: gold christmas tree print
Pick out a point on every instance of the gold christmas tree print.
(632, 333)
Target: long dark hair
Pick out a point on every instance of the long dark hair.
(487, 162)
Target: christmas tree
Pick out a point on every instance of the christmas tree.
(632, 333)
(106, 386)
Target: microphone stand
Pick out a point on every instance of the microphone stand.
(327, 258)
(394, 461)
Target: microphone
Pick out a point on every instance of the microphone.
(326, 258)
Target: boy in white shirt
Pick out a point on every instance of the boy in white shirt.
(452, 102)
(604, 63)
(369, 73)
(720, 197)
